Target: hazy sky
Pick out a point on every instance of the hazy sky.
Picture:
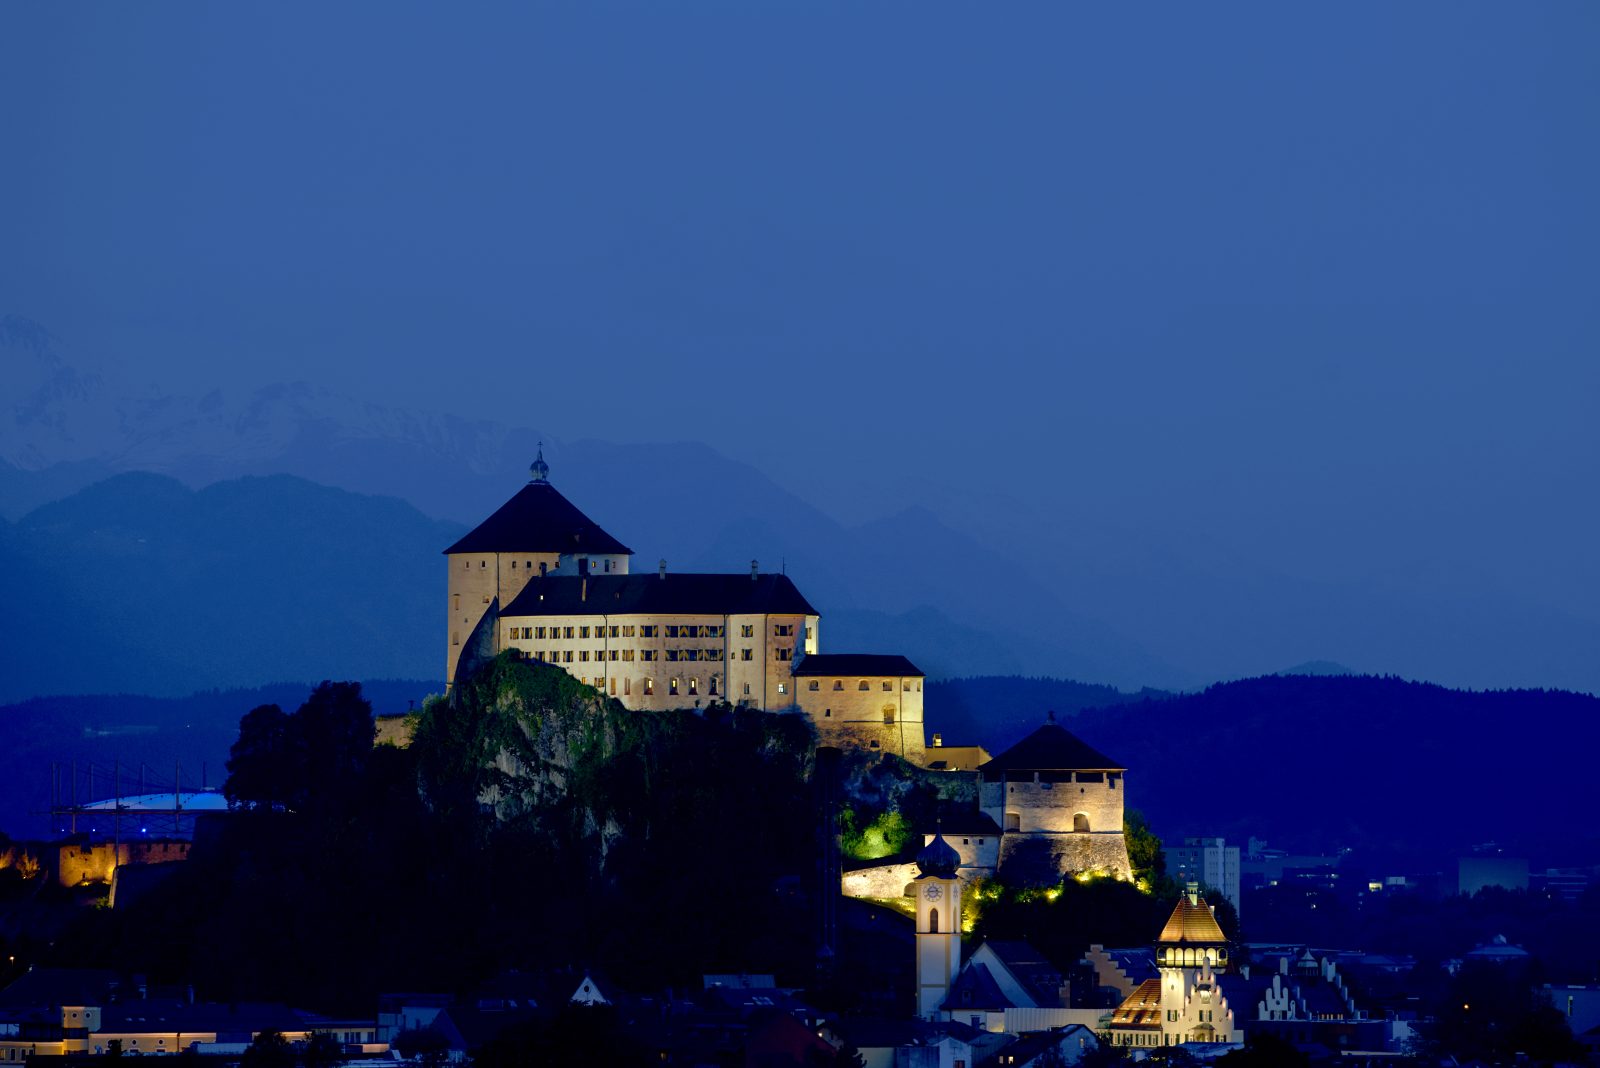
(1316, 281)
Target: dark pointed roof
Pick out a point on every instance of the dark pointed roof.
(938, 859)
(650, 594)
(867, 664)
(538, 520)
(1050, 748)
(975, 988)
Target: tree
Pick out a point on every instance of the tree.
(322, 1052)
(269, 1050)
(1144, 848)
(259, 764)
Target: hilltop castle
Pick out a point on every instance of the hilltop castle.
(541, 578)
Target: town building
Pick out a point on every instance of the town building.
(1211, 862)
(1184, 1002)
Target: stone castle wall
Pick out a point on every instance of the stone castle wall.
(1040, 804)
(94, 862)
(885, 717)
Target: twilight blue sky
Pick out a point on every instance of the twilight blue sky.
(1312, 284)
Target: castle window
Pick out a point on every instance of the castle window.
(608, 565)
(827, 713)
(647, 630)
(583, 656)
(616, 631)
(672, 688)
(873, 744)
(627, 655)
(513, 565)
(888, 686)
(627, 687)
(783, 630)
(838, 684)
(566, 632)
(906, 686)
(748, 630)
(745, 654)
(1080, 823)
(649, 687)
(747, 689)
(782, 652)
(933, 921)
(615, 653)
(528, 564)
(862, 685)
(672, 630)
(486, 598)
(538, 632)
(783, 687)
(566, 657)
(647, 654)
(455, 637)
(627, 631)
(694, 687)
(543, 569)
(888, 714)
(482, 564)
(599, 682)
(457, 602)
(583, 632)
(713, 686)
(813, 685)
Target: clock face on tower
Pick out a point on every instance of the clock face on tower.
(933, 892)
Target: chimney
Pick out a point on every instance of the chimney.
(662, 571)
(755, 570)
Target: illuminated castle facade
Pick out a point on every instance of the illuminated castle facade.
(541, 578)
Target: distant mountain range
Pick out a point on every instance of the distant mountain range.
(963, 584)
(1378, 764)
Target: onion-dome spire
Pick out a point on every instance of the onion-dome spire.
(938, 859)
(540, 469)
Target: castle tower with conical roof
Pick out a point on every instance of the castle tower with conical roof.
(537, 532)
(1058, 802)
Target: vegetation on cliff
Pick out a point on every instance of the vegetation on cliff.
(532, 824)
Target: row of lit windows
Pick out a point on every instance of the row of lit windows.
(544, 565)
(646, 630)
(583, 656)
(838, 684)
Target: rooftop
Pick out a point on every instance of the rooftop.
(858, 664)
(1140, 1009)
(674, 594)
(538, 519)
(1191, 923)
(1050, 748)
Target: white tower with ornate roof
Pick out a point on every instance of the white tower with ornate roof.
(938, 896)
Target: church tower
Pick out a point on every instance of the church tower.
(1190, 952)
(938, 893)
